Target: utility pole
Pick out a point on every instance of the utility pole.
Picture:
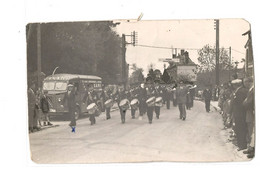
(123, 60)
(134, 41)
(216, 21)
(39, 70)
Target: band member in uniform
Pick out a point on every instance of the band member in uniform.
(174, 99)
(150, 102)
(70, 98)
(91, 97)
(168, 94)
(107, 97)
(158, 104)
(134, 101)
(123, 103)
(181, 94)
(188, 100)
(142, 99)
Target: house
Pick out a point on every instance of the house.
(184, 68)
(249, 61)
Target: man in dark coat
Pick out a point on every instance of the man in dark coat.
(250, 117)
(133, 95)
(181, 95)
(31, 108)
(150, 93)
(207, 97)
(106, 95)
(121, 95)
(142, 96)
(71, 103)
(239, 114)
(158, 93)
(91, 97)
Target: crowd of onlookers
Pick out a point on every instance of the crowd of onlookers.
(236, 100)
(38, 108)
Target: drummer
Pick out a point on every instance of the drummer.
(133, 96)
(121, 95)
(150, 108)
(91, 97)
(158, 93)
(106, 95)
(142, 97)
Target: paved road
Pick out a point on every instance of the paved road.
(199, 138)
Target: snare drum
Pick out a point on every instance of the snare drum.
(134, 104)
(158, 102)
(124, 104)
(109, 103)
(150, 102)
(91, 109)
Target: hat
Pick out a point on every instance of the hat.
(70, 85)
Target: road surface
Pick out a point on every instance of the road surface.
(199, 138)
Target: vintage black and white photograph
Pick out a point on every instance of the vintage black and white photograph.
(140, 91)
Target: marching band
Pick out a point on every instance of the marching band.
(147, 98)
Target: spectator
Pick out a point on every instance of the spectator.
(207, 97)
(239, 114)
(250, 117)
(70, 98)
(45, 108)
(31, 108)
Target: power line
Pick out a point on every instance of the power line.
(238, 51)
(170, 48)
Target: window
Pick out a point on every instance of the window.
(61, 86)
(55, 85)
(48, 85)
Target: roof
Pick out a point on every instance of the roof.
(71, 76)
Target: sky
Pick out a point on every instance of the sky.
(187, 34)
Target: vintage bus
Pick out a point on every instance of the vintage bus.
(56, 85)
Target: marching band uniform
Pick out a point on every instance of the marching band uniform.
(167, 97)
(158, 93)
(122, 95)
(106, 96)
(142, 99)
(174, 99)
(91, 97)
(150, 109)
(133, 95)
(181, 92)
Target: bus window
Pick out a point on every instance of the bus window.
(61, 86)
(48, 85)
